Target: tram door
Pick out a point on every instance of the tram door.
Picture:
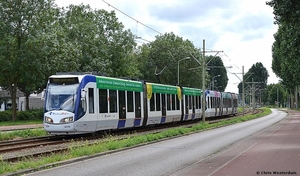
(186, 103)
(194, 106)
(122, 105)
(163, 103)
(137, 109)
(138, 113)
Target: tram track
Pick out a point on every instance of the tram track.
(17, 150)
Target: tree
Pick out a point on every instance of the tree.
(22, 22)
(38, 39)
(277, 95)
(285, 50)
(160, 59)
(282, 63)
(101, 43)
(257, 78)
(286, 11)
(216, 67)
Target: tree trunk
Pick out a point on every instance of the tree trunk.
(13, 92)
(296, 97)
(292, 100)
(27, 101)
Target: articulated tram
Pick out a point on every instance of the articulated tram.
(76, 104)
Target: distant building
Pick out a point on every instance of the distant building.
(35, 101)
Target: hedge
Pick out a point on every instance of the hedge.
(36, 114)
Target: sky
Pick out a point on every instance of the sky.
(242, 29)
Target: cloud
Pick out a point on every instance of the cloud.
(243, 29)
(188, 11)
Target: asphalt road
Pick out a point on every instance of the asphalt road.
(169, 157)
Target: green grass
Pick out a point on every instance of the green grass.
(113, 143)
(20, 122)
(27, 133)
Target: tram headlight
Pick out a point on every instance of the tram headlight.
(66, 120)
(48, 119)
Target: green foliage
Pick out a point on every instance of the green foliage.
(99, 41)
(258, 74)
(159, 61)
(23, 23)
(5, 115)
(277, 93)
(38, 39)
(285, 50)
(27, 133)
(36, 114)
(286, 55)
(216, 67)
(286, 11)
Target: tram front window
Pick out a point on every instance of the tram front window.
(61, 97)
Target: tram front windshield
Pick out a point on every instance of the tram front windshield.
(61, 97)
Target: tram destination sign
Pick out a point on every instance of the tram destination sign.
(67, 80)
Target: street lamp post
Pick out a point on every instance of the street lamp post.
(213, 81)
(178, 68)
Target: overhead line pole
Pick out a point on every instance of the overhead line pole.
(243, 88)
(203, 65)
(253, 92)
(203, 80)
(203, 83)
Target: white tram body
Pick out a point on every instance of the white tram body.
(191, 103)
(220, 103)
(76, 104)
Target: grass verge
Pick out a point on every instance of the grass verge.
(113, 143)
(20, 122)
(27, 133)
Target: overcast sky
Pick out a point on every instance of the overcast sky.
(243, 29)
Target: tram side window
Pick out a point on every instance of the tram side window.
(152, 103)
(173, 101)
(220, 102)
(227, 102)
(112, 101)
(190, 102)
(129, 101)
(197, 102)
(235, 102)
(168, 102)
(158, 107)
(91, 100)
(194, 101)
(103, 104)
(177, 103)
(138, 102)
(186, 101)
(208, 102)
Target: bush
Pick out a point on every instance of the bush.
(5, 116)
(35, 114)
